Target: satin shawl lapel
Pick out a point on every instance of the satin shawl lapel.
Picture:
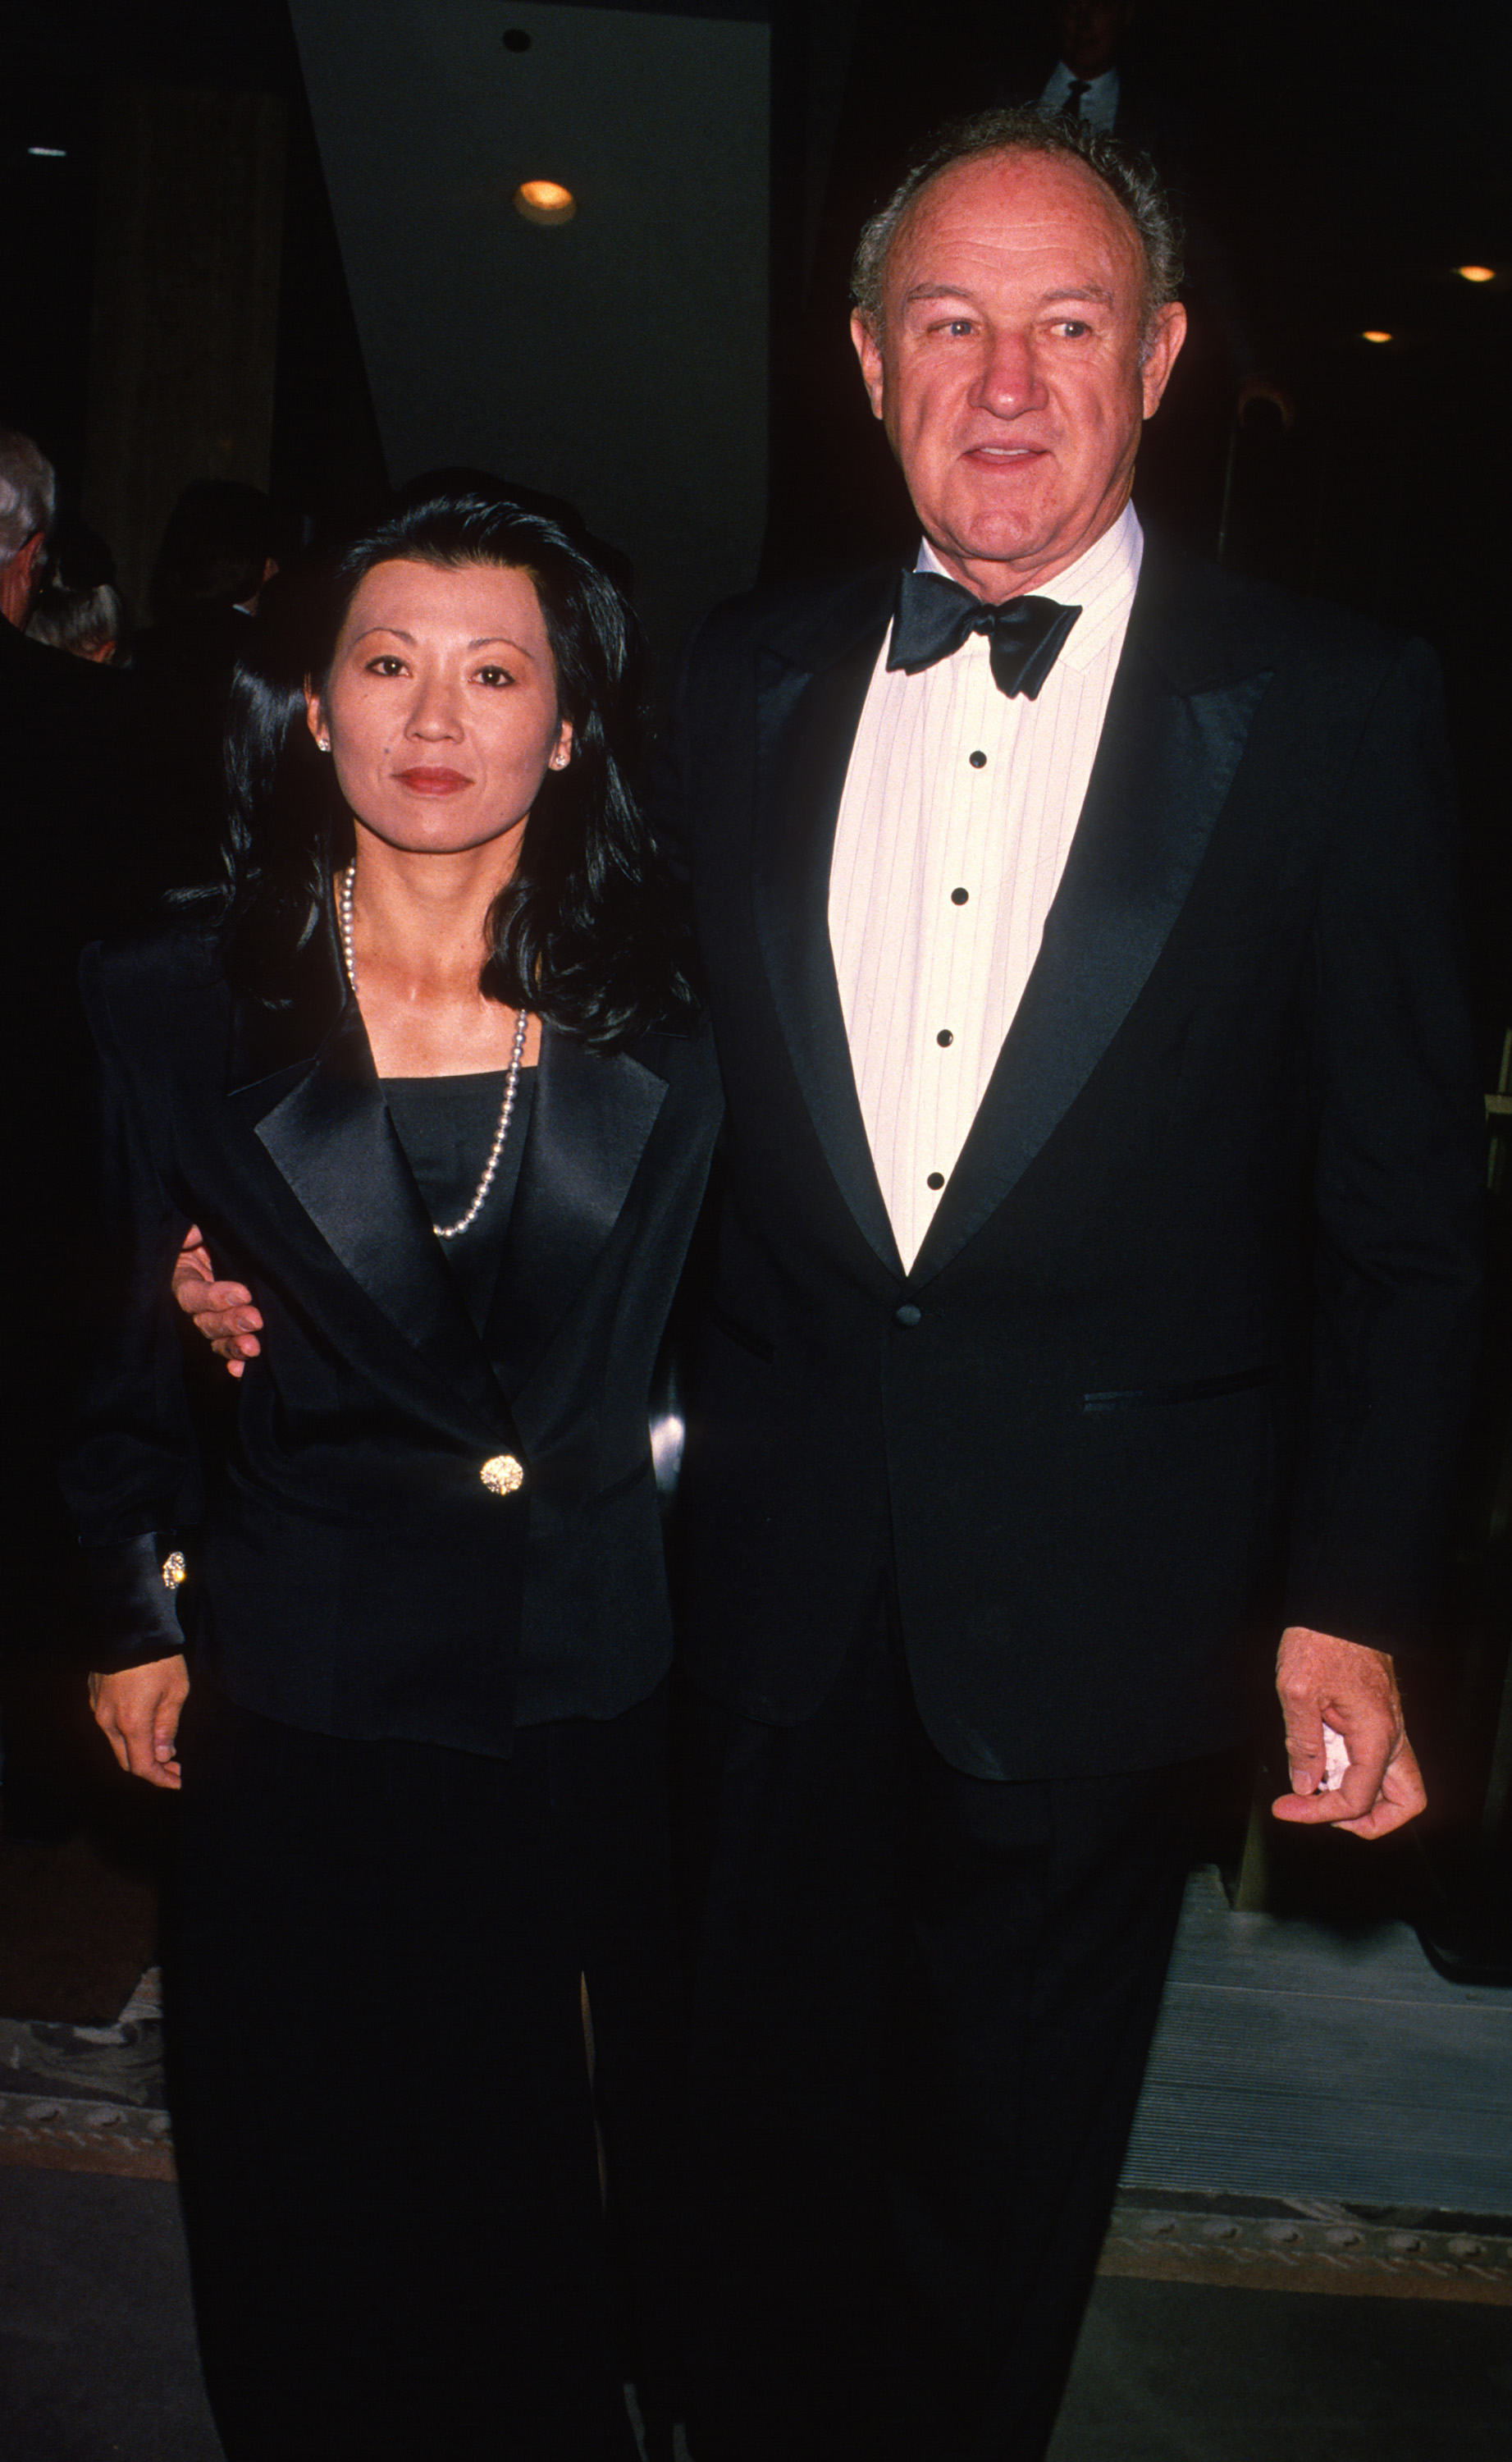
(808, 707)
(589, 1124)
(1163, 769)
(331, 1139)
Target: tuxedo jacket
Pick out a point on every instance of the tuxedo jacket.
(347, 1568)
(1185, 1352)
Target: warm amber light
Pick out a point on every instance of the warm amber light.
(545, 201)
(1477, 272)
(1376, 338)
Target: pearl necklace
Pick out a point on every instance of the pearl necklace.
(447, 1230)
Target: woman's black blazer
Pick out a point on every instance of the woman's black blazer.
(348, 1568)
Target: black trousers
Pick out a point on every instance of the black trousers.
(923, 2011)
(380, 2090)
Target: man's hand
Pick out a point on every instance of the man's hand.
(139, 1710)
(222, 1312)
(1354, 1689)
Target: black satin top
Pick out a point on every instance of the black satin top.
(352, 1567)
(446, 1126)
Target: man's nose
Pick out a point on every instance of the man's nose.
(1009, 379)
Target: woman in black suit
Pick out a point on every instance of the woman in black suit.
(433, 1085)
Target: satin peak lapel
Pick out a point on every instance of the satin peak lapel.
(331, 1139)
(1162, 773)
(589, 1124)
(805, 728)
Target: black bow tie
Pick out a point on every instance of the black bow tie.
(935, 616)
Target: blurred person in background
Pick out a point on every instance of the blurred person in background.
(80, 608)
(72, 790)
(216, 557)
(216, 554)
(87, 623)
(28, 502)
(70, 806)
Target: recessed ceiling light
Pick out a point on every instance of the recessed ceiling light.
(1376, 338)
(1477, 272)
(50, 153)
(545, 201)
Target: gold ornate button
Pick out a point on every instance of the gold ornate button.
(174, 1570)
(502, 1475)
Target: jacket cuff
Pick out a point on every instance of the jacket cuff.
(131, 1603)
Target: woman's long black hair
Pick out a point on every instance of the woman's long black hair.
(589, 932)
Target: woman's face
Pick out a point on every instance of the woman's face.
(440, 707)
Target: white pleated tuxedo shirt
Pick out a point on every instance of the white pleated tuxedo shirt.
(958, 811)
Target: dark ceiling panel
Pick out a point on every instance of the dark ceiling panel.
(618, 359)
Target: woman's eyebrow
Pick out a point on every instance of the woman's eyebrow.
(484, 641)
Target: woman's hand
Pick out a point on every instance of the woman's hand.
(139, 1710)
(222, 1312)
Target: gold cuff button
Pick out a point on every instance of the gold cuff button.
(502, 1475)
(174, 1570)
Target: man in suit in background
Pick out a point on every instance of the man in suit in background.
(1094, 1302)
(1088, 83)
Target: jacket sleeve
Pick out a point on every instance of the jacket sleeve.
(131, 1469)
(1398, 1188)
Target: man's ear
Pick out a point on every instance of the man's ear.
(21, 580)
(868, 350)
(32, 560)
(1160, 354)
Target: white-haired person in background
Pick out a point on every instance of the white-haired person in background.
(28, 502)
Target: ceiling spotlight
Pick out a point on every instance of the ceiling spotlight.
(545, 201)
(1477, 272)
(1376, 338)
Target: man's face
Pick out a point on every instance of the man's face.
(1088, 32)
(1008, 367)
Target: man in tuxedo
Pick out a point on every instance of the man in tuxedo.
(1093, 1304)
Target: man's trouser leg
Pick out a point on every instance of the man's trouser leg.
(921, 2014)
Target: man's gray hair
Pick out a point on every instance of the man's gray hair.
(1128, 176)
(28, 491)
(78, 621)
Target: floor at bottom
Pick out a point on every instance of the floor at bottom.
(1185, 2372)
(98, 2360)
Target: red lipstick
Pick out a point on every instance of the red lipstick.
(432, 782)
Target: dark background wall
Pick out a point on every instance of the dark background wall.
(618, 358)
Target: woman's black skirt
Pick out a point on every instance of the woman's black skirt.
(392, 2179)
